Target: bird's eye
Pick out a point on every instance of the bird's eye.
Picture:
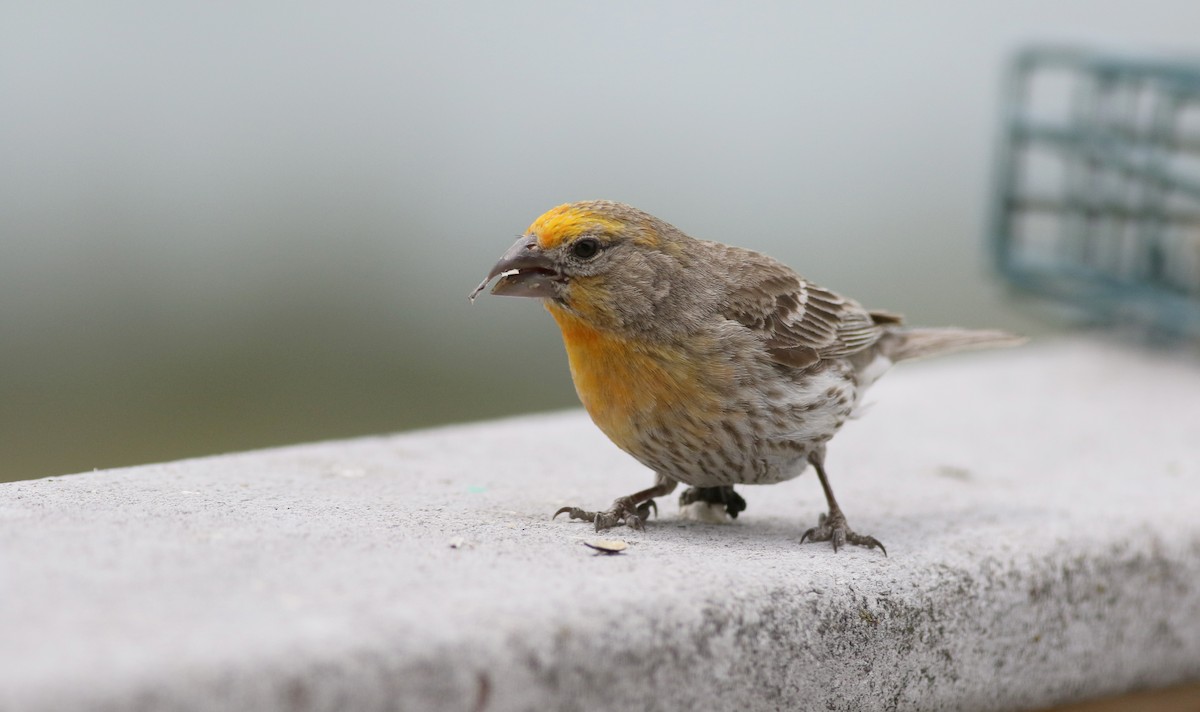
(586, 249)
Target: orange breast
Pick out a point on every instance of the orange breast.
(628, 386)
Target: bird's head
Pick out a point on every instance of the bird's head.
(606, 263)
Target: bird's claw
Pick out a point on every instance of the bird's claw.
(714, 495)
(623, 511)
(833, 528)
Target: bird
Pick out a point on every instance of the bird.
(710, 364)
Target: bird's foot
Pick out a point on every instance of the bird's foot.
(714, 495)
(833, 528)
(623, 511)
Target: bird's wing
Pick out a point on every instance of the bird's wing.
(800, 323)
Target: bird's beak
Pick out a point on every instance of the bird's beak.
(524, 271)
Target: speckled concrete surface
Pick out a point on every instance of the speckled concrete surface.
(1039, 506)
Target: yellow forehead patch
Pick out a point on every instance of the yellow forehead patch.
(567, 222)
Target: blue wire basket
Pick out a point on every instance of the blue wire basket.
(1097, 197)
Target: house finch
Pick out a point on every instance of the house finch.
(710, 364)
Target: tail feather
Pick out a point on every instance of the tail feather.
(906, 344)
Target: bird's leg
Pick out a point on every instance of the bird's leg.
(714, 495)
(632, 510)
(832, 527)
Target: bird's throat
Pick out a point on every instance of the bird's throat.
(605, 369)
(624, 384)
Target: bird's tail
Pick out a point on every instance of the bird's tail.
(904, 344)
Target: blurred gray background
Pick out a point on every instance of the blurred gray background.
(233, 225)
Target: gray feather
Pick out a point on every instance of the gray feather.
(905, 344)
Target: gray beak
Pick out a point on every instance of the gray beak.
(524, 271)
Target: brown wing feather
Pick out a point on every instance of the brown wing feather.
(800, 322)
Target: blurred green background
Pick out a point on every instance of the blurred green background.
(233, 225)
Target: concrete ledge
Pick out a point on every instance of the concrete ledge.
(1039, 505)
